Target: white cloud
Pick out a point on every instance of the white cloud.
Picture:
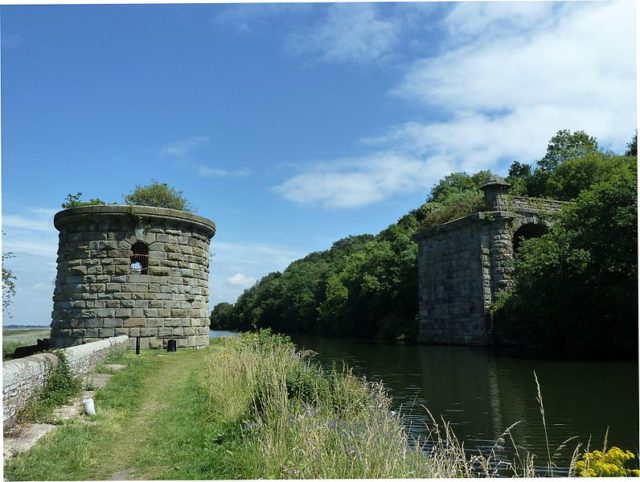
(21, 246)
(184, 147)
(247, 17)
(10, 40)
(353, 183)
(471, 141)
(241, 280)
(510, 75)
(488, 20)
(578, 74)
(243, 254)
(349, 33)
(181, 152)
(29, 223)
(33, 240)
(31, 219)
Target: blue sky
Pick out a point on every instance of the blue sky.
(289, 125)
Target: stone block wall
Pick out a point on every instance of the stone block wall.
(26, 377)
(454, 264)
(97, 293)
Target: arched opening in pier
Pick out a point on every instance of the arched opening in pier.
(528, 231)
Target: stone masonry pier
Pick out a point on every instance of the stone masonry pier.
(464, 263)
(132, 270)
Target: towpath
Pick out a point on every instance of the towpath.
(152, 424)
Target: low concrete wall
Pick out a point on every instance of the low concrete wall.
(25, 377)
(84, 358)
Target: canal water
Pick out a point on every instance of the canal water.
(481, 394)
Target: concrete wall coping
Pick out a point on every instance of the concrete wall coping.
(13, 369)
(78, 351)
(89, 213)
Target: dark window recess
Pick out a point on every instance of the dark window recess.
(528, 231)
(139, 258)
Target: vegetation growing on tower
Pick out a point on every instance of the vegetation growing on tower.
(159, 195)
(156, 194)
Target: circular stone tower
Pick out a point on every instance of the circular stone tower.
(132, 270)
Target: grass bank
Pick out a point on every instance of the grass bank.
(251, 407)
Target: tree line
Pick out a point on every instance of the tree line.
(572, 287)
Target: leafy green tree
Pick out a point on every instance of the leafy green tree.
(575, 288)
(75, 201)
(158, 195)
(335, 300)
(222, 317)
(518, 169)
(353, 289)
(632, 147)
(566, 145)
(558, 174)
(455, 196)
(575, 175)
(456, 183)
(520, 178)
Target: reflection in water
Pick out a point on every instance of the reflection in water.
(481, 394)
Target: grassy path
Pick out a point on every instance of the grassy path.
(156, 393)
(153, 423)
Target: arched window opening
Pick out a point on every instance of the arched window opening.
(527, 231)
(139, 260)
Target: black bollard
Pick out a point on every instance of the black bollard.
(171, 346)
(137, 345)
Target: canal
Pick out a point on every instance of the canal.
(481, 394)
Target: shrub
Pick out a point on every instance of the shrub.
(75, 201)
(158, 195)
(606, 464)
(455, 206)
